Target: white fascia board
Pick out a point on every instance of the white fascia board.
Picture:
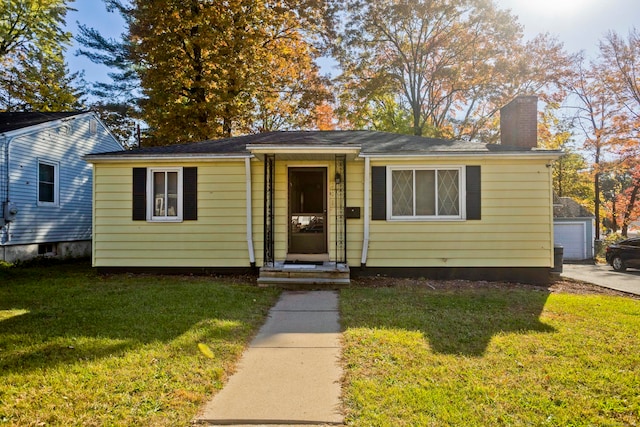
(301, 149)
(550, 155)
(98, 158)
(41, 126)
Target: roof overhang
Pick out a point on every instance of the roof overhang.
(303, 152)
(10, 134)
(155, 158)
(546, 154)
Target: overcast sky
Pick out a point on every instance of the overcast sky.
(579, 24)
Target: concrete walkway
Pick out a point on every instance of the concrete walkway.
(605, 276)
(290, 374)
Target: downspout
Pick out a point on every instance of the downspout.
(4, 235)
(549, 166)
(252, 256)
(367, 201)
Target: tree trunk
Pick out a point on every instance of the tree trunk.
(226, 123)
(560, 176)
(627, 213)
(596, 187)
(614, 214)
(417, 129)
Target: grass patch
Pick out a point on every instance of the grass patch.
(81, 349)
(489, 356)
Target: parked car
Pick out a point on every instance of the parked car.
(624, 254)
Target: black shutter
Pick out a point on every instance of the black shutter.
(474, 210)
(139, 194)
(379, 192)
(190, 194)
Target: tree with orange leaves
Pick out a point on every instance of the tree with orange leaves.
(608, 118)
(449, 64)
(212, 69)
(621, 59)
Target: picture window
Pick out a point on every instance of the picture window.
(425, 193)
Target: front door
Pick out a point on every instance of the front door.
(307, 210)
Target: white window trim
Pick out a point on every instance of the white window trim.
(151, 199)
(462, 191)
(56, 183)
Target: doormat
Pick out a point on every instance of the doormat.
(293, 262)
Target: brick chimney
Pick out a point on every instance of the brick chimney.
(519, 122)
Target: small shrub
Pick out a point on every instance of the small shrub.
(612, 238)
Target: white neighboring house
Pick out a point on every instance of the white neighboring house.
(45, 185)
(573, 228)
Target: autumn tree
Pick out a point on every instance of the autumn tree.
(37, 23)
(452, 63)
(613, 182)
(609, 118)
(623, 79)
(381, 111)
(631, 211)
(620, 58)
(597, 117)
(40, 82)
(325, 117)
(570, 171)
(33, 75)
(116, 101)
(213, 69)
(622, 185)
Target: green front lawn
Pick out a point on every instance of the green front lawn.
(486, 356)
(81, 349)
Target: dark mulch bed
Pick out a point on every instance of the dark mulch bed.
(559, 285)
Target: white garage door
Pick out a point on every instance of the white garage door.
(572, 237)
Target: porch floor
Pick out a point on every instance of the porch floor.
(305, 275)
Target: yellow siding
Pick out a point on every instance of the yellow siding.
(515, 230)
(355, 198)
(216, 239)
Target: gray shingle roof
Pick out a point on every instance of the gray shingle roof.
(371, 142)
(566, 207)
(13, 121)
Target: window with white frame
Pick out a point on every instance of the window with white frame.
(425, 193)
(47, 183)
(164, 194)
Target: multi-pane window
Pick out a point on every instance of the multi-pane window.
(425, 193)
(47, 183)
(165, 195)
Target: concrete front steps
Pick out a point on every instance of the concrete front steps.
(305, 276)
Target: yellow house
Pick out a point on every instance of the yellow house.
(318, 207)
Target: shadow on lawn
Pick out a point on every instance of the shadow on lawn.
(68, 314)
(459, 321)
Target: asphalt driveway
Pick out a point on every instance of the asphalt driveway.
(604, 275)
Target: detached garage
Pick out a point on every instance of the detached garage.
(573, 228)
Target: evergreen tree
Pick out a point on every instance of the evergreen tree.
(117, 101)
